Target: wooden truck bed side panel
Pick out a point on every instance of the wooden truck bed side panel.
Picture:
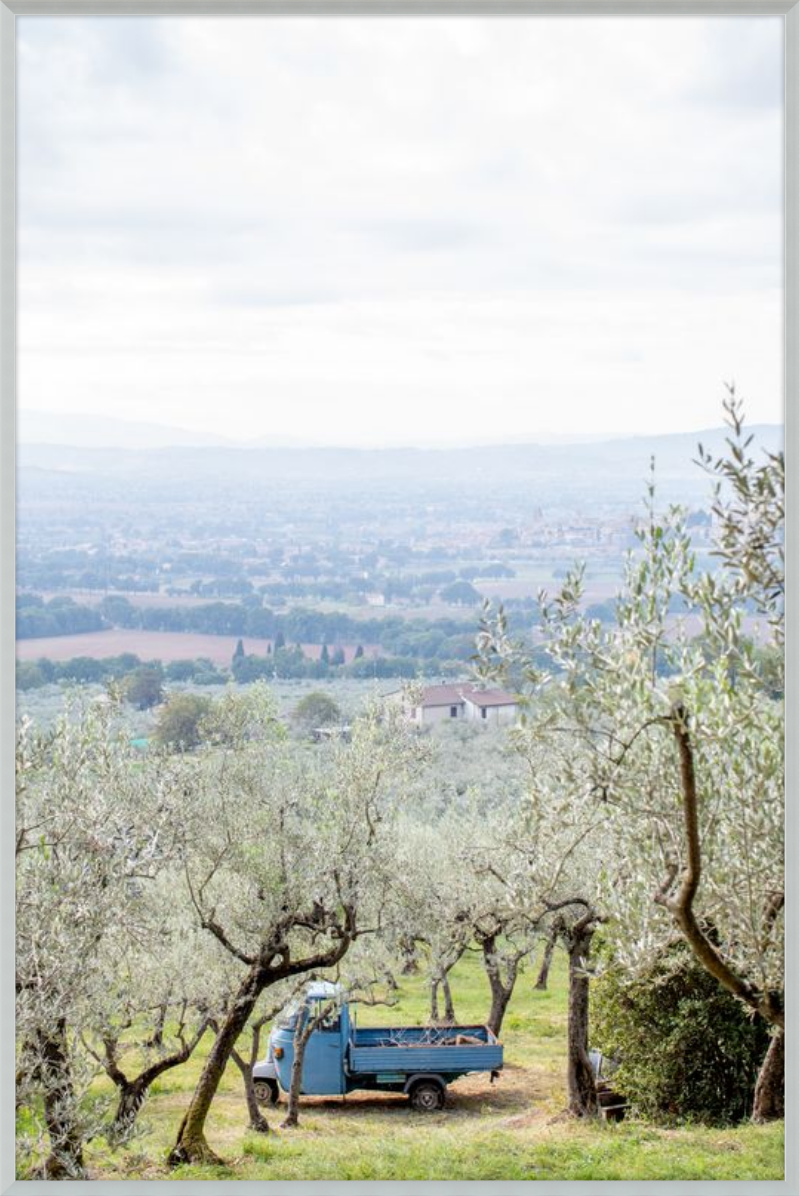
(439, 1059)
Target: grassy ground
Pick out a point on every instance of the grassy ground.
(511, 1130)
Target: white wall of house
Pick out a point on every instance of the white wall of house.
(426, 716)
(496, 716)
(461, 707)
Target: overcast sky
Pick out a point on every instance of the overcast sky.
(421, 230)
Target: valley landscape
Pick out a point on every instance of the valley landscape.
(386, 554)
(399, 720)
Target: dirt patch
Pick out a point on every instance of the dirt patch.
(514, 1093)
(147, 645)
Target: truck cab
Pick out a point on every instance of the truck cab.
(322, 1065)
(323, 1070)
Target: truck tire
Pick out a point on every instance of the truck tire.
(267, 1091)
(427, 1096)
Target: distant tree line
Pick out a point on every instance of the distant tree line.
(330, 575)
(33, 674)
(393, 633)
(446, 638)
(284, 664)
(37, 618)
(290, 663)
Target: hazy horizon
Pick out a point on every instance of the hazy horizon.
(82, 430)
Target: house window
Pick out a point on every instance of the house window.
(483, 712)
(454, 711)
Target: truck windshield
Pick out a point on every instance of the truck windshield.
(287, 1018)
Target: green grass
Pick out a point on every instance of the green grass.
(511, 1130)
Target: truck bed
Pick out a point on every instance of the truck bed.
(408, 1049)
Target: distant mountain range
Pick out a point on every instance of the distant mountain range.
(576, 475)
(82, 431)
(54, 442)
(98, 431)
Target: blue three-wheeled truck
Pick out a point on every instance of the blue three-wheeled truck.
(419, 1061)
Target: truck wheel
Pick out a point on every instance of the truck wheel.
(267, 1092)
(427, 1097)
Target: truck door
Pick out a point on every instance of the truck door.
(323, 1070)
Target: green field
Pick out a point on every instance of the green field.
(514, 1129)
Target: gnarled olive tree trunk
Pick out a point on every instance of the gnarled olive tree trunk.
(191, 1145)
(258, 1121)
(500, 989)
(156, 1039)
(768, 1102)
(547, 959)
(442, 981)
(581, 1085)
(577, 936)
(302, 1033)
(61, 1115)
(408, 951)
(501, 966)
(133, 1093)
(769, 1005)
(273, 963)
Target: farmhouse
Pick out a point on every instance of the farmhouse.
(441, 703)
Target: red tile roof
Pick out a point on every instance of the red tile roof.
(454, 695)
(443, 695)
(490, 697)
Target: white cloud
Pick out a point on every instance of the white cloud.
(399, 229)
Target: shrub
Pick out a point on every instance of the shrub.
(316, 710)
(180, 670)
(143, 687)
(687, 1048)
(178, 723)
(29, 675)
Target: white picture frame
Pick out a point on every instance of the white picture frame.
(368, 9)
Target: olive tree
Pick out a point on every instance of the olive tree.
(285, 865)
(543, 859)
(156, 995)
(498, 909)
(432, 910)
(455, 897)
(307, 1022)
(673, 733)
(92, 832)
(749, 509)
